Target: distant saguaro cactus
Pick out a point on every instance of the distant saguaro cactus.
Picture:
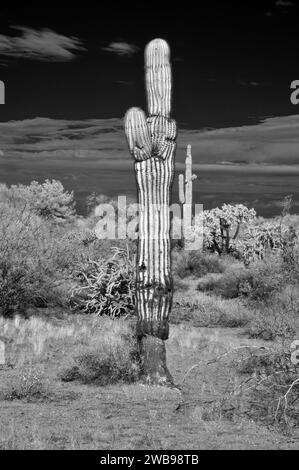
(185, 193)
(2, 92)
(152, 143)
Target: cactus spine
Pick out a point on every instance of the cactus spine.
(185, 194)
(151, 141)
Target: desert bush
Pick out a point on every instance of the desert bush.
(270, 387)
(237, 230)
(288, 298)
(263, 280)
(92, 367)
(94, 199)
(222, 226)
(195, 263)
(113, 359)
(179, 284)
(107, 287)
(264, 237)
(227, 285)
(208, 282)
(40, 260)
(75, 247)
(256, 283)
(28, 275)
(48, 199)
(28, 385)
(261, 240)
(271, 322)
(203, 310)
(276, 313)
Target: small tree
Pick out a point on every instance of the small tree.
(221, 226)
(48, 199)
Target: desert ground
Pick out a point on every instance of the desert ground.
(213, 406)
(70, 369)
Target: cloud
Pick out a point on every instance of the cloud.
(272, 142)
(284, 3)
(250, 164)
(124, 82)
(43, 45)
(92, 139)
(248, 83)
(121, 48)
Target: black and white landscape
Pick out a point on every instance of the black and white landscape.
(71, 364)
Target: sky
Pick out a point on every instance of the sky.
(72, 70)
(233, 62)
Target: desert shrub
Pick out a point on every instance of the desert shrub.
(92, 367)
(107, 287)
(263, 239)
(237, 230)
(28, 385)
(264, 361)
(221, 227)
(113, 359)
(291, 220)
(48, 199)
(227, 285)
(94, 199)
(208, 282)
(195, 263)
(209, 311)
(266, 237)
(28, 275)
(272, 322)
(270, 388)
(40, 260)
(19, 289)
(179, 285)
(75, 247)
(263, 280)
(257, 283)
(288, 298)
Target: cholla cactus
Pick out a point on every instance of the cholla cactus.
(106, 287)
(262, 239)
(185, 194)
(221, 226)
(152, 143)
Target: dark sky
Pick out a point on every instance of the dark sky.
(233, 62)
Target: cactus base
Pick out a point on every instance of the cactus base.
(153, 357)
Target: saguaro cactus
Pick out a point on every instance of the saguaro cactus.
(152, 143)
(2, 92)
(185, 193)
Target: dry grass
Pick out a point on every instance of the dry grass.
(28, 384)
(203, 310)
(270, 386)
(108, 358)
(32, 339)
(45, 413)
(196, 263)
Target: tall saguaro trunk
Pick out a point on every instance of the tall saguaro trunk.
(152, 143)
